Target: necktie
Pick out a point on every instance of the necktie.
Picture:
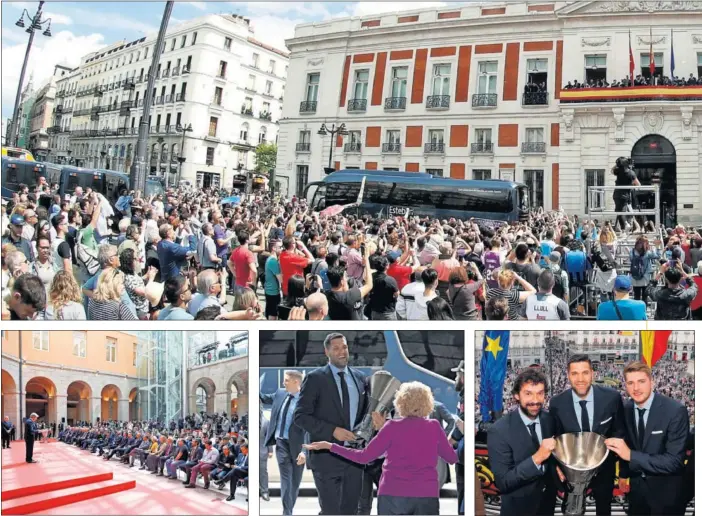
(284, 418)
(534, 437)
(584, 417)
(345, 400)
(641, 428)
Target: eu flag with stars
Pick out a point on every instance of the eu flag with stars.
(493, 368)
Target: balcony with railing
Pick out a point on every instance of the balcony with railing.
(175, 72)
(395, 103)
(482, 148)
(438, 101)
(308, 106)
(81, 112)
(168, 99)
(352, 147)
(434, 148)
(265, 115)
(247, 110)
(302, 147)
(180, 97)
(632, 94)
(357, 105)
(165, 73)
(392, 148)
(485, 100)
(67, 110)
(59, 109)
(535, 98)
(54, 129)
(158, 100)
(533, 147)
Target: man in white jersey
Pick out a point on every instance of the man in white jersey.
(543, 305)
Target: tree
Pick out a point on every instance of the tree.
(265, 157)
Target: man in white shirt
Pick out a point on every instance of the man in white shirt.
(543, 305)
(206, 464)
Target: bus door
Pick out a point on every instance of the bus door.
(315, 194)
(523, 203)
(114, 184)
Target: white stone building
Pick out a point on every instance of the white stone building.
(442, 90)
(213, 77)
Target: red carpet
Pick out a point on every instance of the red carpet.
(59, 462)
(55, 486)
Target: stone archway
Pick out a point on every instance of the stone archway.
(134, 405)
(79, 397)
(40, 397)
(655, 162)
(110, 405)
(202, 396)
(237, 387)
(10, 398)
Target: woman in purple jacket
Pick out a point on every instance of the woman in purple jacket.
(412, 446)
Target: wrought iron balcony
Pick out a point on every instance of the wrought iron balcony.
(352, 147)
(175, 72)
(533, 147)
(485, 100)
(482, 148)
(302, 147)
(395, 103)
(535, 98)
(246, 111)
(54, 129)
(165, 73)
(438, 101)
(180, 97)
(357, 105)
(392, 147)
(308, 106)
(59, 109)
(264, 115)
(168, 99)
(434, 148)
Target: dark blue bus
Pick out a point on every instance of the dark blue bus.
(393, 193)
(19, 171)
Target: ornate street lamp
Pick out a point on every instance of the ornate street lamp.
(181, 157)
(333, 131)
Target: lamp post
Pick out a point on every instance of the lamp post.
(333, 131)
(181, 158)
(35, 23)
(160, 155)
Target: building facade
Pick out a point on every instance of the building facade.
(24, 114)
(218, 94)
(478, 92)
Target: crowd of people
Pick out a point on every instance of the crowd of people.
(184, 256)
(639, 80)
(213, 446)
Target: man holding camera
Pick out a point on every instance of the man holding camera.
(625, 176)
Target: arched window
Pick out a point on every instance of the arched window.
(244, 133)
(121, 151)
(262, 135)
(174, 152)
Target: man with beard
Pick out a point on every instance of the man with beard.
(590, 408)
(520, 446)
(333, 400)
(457, 435)
(653, 451)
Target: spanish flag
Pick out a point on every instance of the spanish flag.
(654, 344)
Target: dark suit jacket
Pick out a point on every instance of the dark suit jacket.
(319, 412)
(30, 430)
(523, 489)
(296, 436)
(662, 457)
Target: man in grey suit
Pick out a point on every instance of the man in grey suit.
(264, 453)
(287, 437)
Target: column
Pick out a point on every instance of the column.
(222, 402)
(96, 409)
(242, 404)
(10, 403)
(61, 409)
(123, 410)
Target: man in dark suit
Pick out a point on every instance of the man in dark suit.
(7, 428)
(287, 437)
(654, 447)
(30, 434)
(265, 452)
(333, 400)
(590, 408)
(240, 471)
(520, 446)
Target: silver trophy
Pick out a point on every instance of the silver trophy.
(383, 387)
(580, 455)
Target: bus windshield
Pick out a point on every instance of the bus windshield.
(84, 180)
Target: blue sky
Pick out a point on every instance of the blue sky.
(82, 27)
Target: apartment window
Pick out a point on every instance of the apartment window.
(441, 80)
(483, 136)
(158, 120)
(303, 172)
(269, 88)
(487, 78)
(595, 67)
(222, 70)
(360, 84)
(178, 115)
(392, 136)
(304, 137)
(190, 62)
(168, 120)
(481, 174)
(40, 339)
(436, 172)
(266, 107)
(699, 65)
(182, 41)
(399, 81)
(209, 159)
(248, 103)
(534, 179)
(262, 135)
(79, 343)
(194, 38)
(134, 349)
(271, 66)
(111, 349)
(312, 87)
(658, 61)
(593, 177)
(244, 132)
(213, 127)
(436, 136)
(173, 44)
(227, 43)
(254, 60)
(535, 135)
(537, 72)
(183, 87)
(355, 137)
(251, 84)
(217, 100)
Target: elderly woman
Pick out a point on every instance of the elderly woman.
(106, 303)
(412, 446)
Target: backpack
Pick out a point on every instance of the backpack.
(87, 257)
(558, 287)
(638, 265)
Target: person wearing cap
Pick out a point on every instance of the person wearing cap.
(622, 307)
(14, 236)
